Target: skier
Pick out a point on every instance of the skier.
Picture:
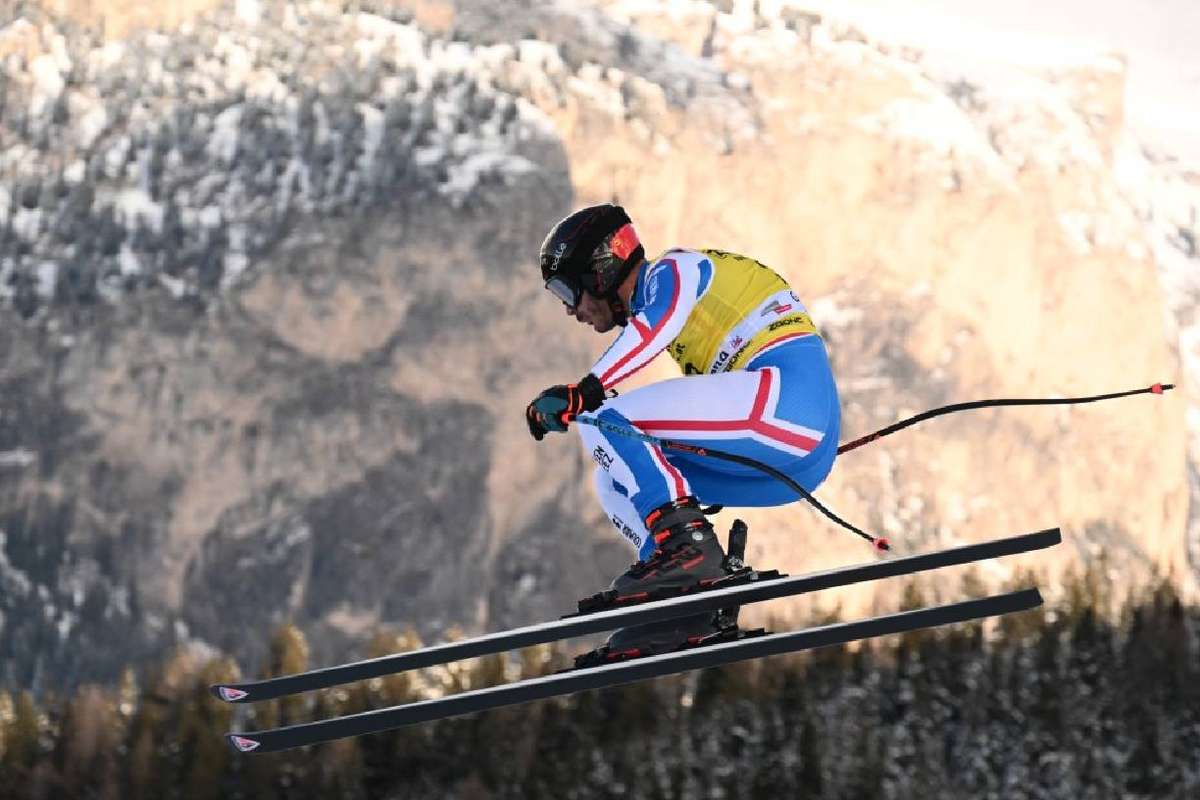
(757, 383)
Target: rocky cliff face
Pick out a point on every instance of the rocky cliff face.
(270, 316)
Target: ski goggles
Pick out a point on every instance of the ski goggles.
(567, 290)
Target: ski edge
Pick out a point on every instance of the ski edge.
(743, 594)
(560, 684)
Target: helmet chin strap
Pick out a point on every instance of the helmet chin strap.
(619, 312)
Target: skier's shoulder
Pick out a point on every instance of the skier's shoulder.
(682, 256)
(706, 259)
(670, 275)
(678, 263)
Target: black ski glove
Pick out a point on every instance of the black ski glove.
(555, 407)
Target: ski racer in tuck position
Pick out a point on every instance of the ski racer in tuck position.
(757, 383)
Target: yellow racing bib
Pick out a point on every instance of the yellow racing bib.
(745, 307)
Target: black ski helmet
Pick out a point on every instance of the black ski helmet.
(592, 250)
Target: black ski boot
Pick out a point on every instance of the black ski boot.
(687, 554)
(680, 633)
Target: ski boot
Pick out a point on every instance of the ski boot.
(687, 555)
(688, 559)
(682, 633)
(659, 637)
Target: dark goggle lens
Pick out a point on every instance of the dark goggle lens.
(564, 291)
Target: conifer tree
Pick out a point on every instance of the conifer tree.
(287, 654)
(87, 747)
(203, 720)
(151, 744)
(20, 735)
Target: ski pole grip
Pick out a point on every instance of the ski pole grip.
(737, 540)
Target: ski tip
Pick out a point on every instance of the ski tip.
(229, 694)
(242, 744)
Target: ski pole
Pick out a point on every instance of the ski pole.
(668, 444)
(1157, 388)
(879, 542)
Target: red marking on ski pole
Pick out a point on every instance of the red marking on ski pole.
(1157, 388)
(882, 544)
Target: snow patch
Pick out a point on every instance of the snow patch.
(129, 262)
(66, 623)
(177, 287)
(18, 458)
(27, 223)
(47, 278)
(248, 11)
(466, 174)
(541, 56)
(210, 216)
(223, 144)
(12, 580)
(134, 208)
(828, 311)
(48, 83)
(940, 124)
(1078, 227)
(75, 172)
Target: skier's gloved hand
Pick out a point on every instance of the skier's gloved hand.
(555, 407)
(546, 412)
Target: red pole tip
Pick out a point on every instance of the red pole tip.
(882, 544)
(1157, 388)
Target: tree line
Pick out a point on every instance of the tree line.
(1085, 698)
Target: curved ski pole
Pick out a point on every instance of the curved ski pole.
(1157, 388)
(879, 542)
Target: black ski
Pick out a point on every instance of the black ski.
(627, 672)
(712, 600)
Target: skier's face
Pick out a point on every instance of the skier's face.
(595, 312)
